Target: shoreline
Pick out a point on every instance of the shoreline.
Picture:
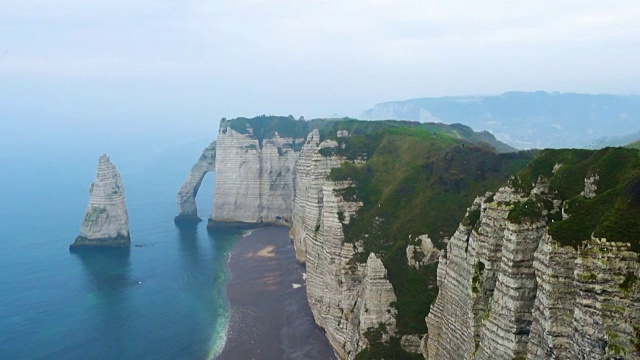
(269, 314)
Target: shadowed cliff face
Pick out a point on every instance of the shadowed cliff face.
(187, 209)
(106, 221)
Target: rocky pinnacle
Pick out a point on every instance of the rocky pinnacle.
(106, 221)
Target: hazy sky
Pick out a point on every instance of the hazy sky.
(141, 64)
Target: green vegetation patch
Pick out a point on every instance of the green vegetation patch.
(629, 281)
(472, 218)
(264, 127)
(417, 179)
(380, 351)
(634, 145)
(614, 213)
(526, 211)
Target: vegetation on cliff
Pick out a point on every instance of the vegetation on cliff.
(415, 179)
(613, 212)
(634, 145)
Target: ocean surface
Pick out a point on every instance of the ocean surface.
(164, 299)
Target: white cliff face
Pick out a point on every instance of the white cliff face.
(254, 181)
(187, 210)
(347, 298)
(509, 291)
(377, 298)
(106, 221)
(311, 171)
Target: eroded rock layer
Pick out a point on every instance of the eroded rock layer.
(519, 294)
(347, 298)
(187, 209)
(106, 220)
(254, 177)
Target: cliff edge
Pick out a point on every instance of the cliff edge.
(547, 267)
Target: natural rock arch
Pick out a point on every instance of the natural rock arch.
(187, 209)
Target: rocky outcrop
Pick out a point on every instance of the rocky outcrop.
(106, 221)
(590, 186)
(519, 294)
(254, 177)
(411, 344)
(422, 253)
(187, 209)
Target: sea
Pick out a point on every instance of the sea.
(164, 299)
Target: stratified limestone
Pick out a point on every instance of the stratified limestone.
(505, 334)
(377, 298)
(311, 171)
(334, 281)
(254, 178)
(509, 291)
(551, 331)
(347, 298)
(106, 221)
(606, 318)
(187, 209)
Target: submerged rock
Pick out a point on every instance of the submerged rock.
(106, 221)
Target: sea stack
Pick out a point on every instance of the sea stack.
(106, 221)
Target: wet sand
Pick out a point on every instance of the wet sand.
(270, 316)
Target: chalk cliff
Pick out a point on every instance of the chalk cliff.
(347, 298)
(526, 274)
(106, 221)
(514, 285)
(187, 209)
(254, 175)
(311, 171)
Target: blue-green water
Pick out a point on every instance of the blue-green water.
(163, 300)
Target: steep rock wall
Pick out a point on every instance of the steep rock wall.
(311, 171)
(106, 220)
(254, 177)
(348, 299)
(519, 294)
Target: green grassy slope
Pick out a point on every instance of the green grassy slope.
(287, 126)
(418, 179)
(614, 213)
(634, 145)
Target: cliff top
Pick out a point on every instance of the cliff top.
(263, 127)
(634, 145)
(600, 191)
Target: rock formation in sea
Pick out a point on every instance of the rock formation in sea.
(187, 209)
(106, 221)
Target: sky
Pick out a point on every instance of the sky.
(174, 68)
